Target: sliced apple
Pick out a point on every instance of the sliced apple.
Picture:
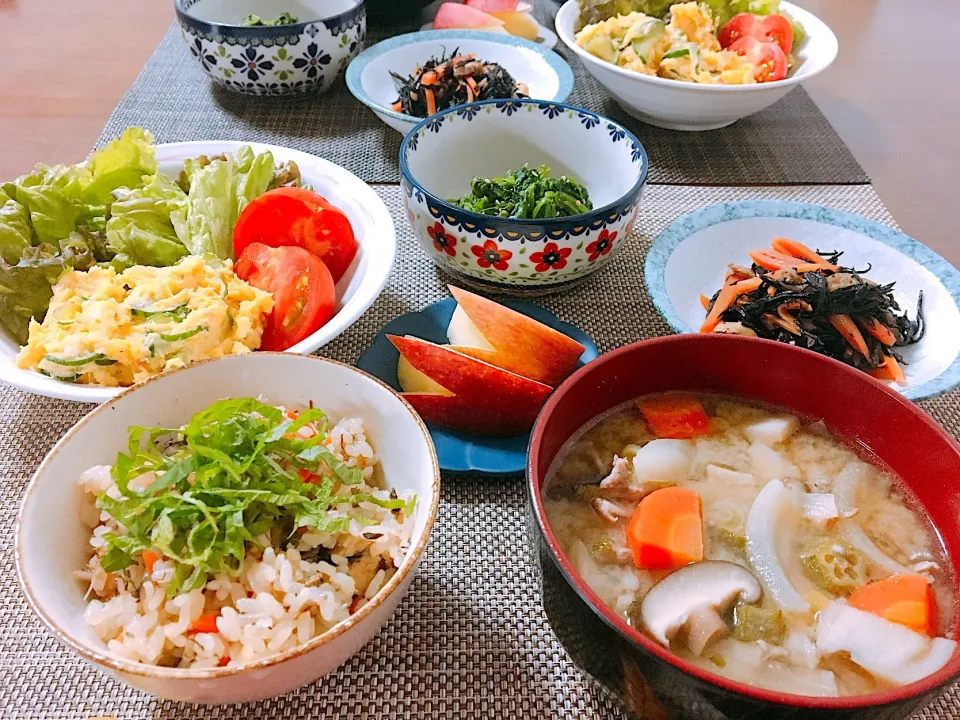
(519, 24)
(467, 394)
(510, 340)
(414, 381)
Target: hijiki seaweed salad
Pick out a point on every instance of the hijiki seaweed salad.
(799, 296)
(245, 533)
(443, 82)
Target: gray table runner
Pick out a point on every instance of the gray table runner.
(789, 143)
(471, 639)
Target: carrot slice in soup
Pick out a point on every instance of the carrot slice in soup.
(725, 299)
(666, 531)
(675, 416)
(903, 599)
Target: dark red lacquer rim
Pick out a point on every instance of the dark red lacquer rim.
(876, 404)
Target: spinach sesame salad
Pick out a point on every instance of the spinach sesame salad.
(247, 532)
(527, 193)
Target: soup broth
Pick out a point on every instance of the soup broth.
(781, 558)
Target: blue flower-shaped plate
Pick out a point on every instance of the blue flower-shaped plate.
(691, 256)
(458, 452)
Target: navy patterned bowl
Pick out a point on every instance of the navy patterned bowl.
(442, 154)
(264, 60)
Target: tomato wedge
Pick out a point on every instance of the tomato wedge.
(765, 28)
(294, 216)
(302, 288)
(769, 62)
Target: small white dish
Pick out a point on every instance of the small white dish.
(545, 36)
(356, 291)
(679, 105)
(52, 540)
(691, 256)
(546, 74)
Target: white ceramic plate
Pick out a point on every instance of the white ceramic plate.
(691, 256)
(53, 541)
(545, 36)
(356, 291)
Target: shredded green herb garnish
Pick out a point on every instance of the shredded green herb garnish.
(283, 18)
(527, 193)
(226, 478)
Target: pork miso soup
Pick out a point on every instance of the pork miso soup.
(755, 545)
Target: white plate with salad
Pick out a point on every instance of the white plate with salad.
(148, 257)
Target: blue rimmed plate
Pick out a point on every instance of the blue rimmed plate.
(458, 452)
(691, 256)
(547, 75)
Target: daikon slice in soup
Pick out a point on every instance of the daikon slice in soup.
(755, 544)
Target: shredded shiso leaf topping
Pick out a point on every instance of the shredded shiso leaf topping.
(228, 477)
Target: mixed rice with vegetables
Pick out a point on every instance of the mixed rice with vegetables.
(241, 535)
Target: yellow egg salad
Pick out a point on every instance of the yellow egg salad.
(686, 48)
(114, 329)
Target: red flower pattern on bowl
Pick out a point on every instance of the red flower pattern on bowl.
(552, 257)
(602, 245)
(442, 241)
(491, 255)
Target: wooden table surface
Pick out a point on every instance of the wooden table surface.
(891, 94)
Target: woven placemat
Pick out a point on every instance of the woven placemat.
(471, 640)
(789, 143)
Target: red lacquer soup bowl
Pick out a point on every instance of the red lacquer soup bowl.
(854, 406)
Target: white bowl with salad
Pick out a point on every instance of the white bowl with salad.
(296, 497)
(148, 257)
(696, 66)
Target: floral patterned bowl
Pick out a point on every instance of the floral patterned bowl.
(263, 60)
(442, 154)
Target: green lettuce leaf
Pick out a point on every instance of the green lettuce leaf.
(206, 222)
(26, 288)
(55, 198)
(123, 162)
(256, 172)
(141, 229)
(16, 232)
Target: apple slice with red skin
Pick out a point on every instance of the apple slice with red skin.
(486, 399)
(520, 344)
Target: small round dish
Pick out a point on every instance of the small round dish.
(546, 74)
(679, 105)
(691, 256)
(304, 56)
(52, 540)
(355, 292)
(492, 138)
(457, 452)
(546, 37)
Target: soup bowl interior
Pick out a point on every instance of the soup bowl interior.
(232, 12)
(857, 409)
(52, 537)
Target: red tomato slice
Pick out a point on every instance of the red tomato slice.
(769, 62)
(294, 216)
(302, 288)
(765, 28)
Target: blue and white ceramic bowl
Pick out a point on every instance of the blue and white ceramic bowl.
(301, 57)
(691, 256)
(442, 154)
(546, 74)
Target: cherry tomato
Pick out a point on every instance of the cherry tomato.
(769, 62)
(302, 288)
(765, 28)
(294, 216)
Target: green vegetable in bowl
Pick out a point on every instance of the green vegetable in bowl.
(527, 194)
(834, 564)
(220, 482)
(283, 18)
(752, 623)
